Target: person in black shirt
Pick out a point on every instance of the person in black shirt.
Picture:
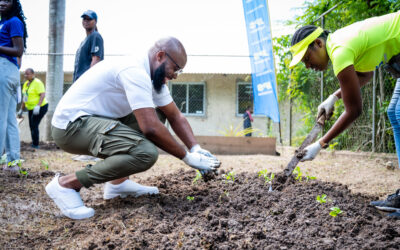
(91, 50)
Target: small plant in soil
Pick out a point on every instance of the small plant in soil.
(229, 177)
(321, 198)
(3, 159)
(18, 163)
(197, 177)
(45, 164)
(225, 194)
(190, 198)
(299, 175)
(335, 211)
(267, 178)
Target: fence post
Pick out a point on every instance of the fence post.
(373, 109)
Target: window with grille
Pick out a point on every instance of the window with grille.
(244, 97)
(189, 97)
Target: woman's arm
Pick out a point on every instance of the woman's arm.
(350, 92)
(42, 95)
(16, 50)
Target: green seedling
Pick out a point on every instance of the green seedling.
(45, 164)
(190, 198)
(197, 177)
(225, 193)
(264, 174)
(3, 159)
(298, 173)
(308, 177)
(335, 211)
(230, 177)
(321, 199)
(18, 163)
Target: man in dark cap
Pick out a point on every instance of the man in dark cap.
(91, 50)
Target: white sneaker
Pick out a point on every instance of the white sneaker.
(68, 201)
(126, 188)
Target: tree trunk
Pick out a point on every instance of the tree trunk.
(55, 73)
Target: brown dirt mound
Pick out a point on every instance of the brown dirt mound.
(222, 215)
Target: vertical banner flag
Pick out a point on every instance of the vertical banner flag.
(261, 57)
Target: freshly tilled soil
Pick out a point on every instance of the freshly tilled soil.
(222, 215)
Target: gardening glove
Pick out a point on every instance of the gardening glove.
(19, 113)
(36, 110)
(198, 149)
(311, 151)
(200, 161)
(327, 107)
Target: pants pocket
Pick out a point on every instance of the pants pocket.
(114, 138)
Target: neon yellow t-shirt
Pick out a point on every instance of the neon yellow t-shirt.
(364, 44)
(33, 93)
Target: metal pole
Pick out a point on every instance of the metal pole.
(373, 110)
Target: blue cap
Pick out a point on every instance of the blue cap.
(91, 14)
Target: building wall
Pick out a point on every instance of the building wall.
(220, 105)
(220, 108)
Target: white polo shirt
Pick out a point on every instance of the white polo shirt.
(111, 88)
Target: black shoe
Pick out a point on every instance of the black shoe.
(391, 204)
(395, 215)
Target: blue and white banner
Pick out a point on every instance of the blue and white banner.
(261, 57)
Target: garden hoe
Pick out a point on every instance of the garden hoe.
(299, 153)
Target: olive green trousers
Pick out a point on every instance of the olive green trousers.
(120, 143)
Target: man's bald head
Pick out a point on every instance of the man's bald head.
(173, 47)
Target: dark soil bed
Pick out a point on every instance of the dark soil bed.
(238, 215)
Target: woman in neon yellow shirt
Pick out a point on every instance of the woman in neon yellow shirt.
(34, 100)
(355, 51)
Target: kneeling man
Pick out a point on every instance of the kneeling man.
(116, 111)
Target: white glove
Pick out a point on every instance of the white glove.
(36, 110)
(311, 151)
(200, 161)
(196, 148)
(327, 106)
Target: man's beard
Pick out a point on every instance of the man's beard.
(159, 76)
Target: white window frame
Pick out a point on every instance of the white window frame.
(187, 96)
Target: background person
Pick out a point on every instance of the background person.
(91, 50)
(247, 120)
(355, 51)
(109, 113)
(34, 100)
(12, 43)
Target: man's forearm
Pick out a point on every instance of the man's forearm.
(182, 129)
(163, 139)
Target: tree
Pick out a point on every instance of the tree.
(55, 71)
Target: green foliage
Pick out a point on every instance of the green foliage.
(303, 87)
(18, 163)
(264, 174)
(197, 177)
(335, 211)
(237, 131)
(190, 198)
(229, 177)
(3, 159)
(45, 164)
(299, 175)
(321, 199)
